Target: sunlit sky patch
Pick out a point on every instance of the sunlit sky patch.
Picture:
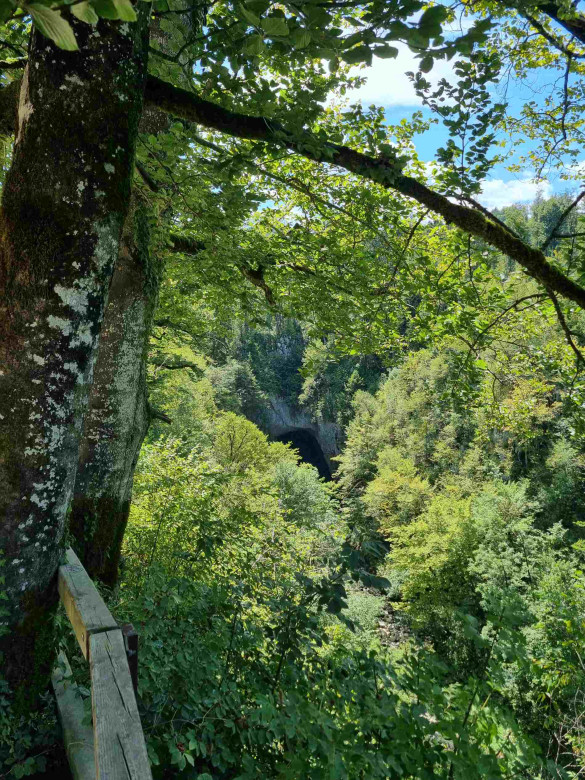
(388, 85)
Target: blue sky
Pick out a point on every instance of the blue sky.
(388, 86)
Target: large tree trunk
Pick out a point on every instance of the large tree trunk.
(118, 414)
(65, 201)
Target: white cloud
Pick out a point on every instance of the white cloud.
(497, 193)
(387, 84)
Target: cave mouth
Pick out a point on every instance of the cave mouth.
(308, 448)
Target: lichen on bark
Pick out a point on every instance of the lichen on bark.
(64, 204)
(118, 415)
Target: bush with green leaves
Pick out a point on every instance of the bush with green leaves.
(232, 578)
(233, 690)
(27, 739)
(397, 494)
(257, 587)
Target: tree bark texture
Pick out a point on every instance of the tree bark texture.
(118, 415)
(64, 204)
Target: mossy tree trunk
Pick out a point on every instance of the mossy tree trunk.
(118, 414)
(64, 205)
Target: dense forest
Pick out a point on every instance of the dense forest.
(300, 379)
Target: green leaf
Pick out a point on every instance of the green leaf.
(85, 12)
(106, 9)
(6, 10)
(426, 63)
(431, 20)
(358, 54)
(254, 45)
(316, 15)
(301, 38)
(51, 24)
(275, 25)
(258, 7)
(250, 17)
(386, 52)
(479, 30)
(125, 10)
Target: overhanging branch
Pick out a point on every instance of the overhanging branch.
(384, 171)
(190, 246)
(575, 24)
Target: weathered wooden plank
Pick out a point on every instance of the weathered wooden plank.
(84, 605)
(78, 739)
(120, 750)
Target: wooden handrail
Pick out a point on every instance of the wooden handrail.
(116, 742)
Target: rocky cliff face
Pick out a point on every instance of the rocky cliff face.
(281, 418)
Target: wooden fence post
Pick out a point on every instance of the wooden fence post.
(118, 746)
(131, 645)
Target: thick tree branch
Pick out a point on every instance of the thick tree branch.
(256, 277)
(487, 213)
(552, 40)
(151, 183)
(574, 25)
(384, 171)
(190, 246)
(18, 64)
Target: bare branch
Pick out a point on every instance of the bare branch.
(566, 330)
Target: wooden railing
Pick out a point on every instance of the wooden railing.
(114, 748)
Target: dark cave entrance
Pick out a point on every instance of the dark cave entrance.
(309, 450)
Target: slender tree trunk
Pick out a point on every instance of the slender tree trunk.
(118, 414)
(64, 204)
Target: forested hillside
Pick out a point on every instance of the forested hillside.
(291, 357)
(421, 615)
